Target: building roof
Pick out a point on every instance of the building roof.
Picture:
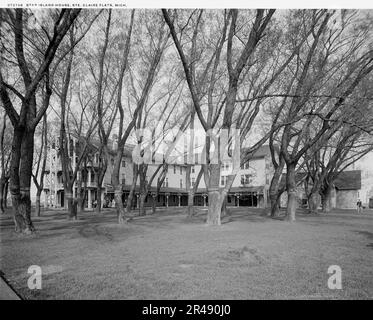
(255, 189)
(241, 190)
(261, 152)
(348, 180)
(110, 188)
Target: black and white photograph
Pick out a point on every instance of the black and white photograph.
(201, 153)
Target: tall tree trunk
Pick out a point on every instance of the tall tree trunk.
(82, 205)
(190, 208)
(154, 200)
(274, 198)
(142, 204)
(20, 178)
(5, 196)
(37, 202)
(192, 191)
(133, 186)
(79, 193)
(100, 179)
(224, 210)
(326, 201)
(275, 204)
(118, 186)
(143, 188)
(130, 199)
(274, 192)
(215, 199)
(118, 194)
(291, 188)
(99, 200)
(313, 200)
(2, 189)
(71, 203)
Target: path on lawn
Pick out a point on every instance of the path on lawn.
(167, 256)
(6, 292)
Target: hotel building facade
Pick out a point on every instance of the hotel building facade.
(250, 187)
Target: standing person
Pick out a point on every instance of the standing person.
(359, 206)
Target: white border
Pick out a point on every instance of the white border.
(284, 4)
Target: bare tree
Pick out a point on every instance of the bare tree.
(236, 60)
(158, 38)
(324, 164)
(41, 162)
(318, 94)
(5, 155)
(25, 121)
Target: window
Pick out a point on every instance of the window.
(225, 166)
(196, 158)
(245, 165)
(123, 163)
(165, 182)
(123, 179)
(96, 157)
(174, 168)
(223, 180)
(193, 181)
(181, 183)
(192, 169)
(181, 170)
(112, 162)
(245, 179)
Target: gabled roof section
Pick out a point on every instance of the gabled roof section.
(348, 180)
(261, 152)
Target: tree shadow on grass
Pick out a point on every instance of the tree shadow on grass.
(233, 215)
(367, 234)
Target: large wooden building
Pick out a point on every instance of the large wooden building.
(250, 188)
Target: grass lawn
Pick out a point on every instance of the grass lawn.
(167, 256)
